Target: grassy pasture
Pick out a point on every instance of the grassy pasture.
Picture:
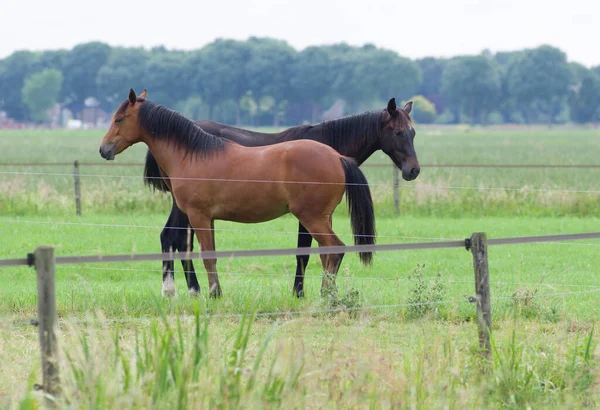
(125, 347)
(437, 191)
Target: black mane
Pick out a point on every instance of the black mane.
(168, 125)
(354, 129)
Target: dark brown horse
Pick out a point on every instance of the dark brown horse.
(214, 178)
(357, 136)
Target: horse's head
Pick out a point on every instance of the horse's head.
(397, 139)
(124, 129)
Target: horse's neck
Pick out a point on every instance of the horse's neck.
(168, 156)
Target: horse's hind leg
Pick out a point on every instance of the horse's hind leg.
(204, 228)
(324, 256)
(321, 231)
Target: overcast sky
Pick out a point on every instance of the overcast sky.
(415, 28)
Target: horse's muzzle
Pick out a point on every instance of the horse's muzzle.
(409, 174)
(107, 152)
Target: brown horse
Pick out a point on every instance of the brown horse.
(213, 178)
(358, 136)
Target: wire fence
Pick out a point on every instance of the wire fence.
(44, 260)
(368, 165)
(262, 273)
(397, 187)
(271, 181)
(8, 321)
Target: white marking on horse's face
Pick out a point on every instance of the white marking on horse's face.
(168, 287)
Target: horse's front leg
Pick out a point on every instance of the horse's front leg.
(204, 228)
(168, 241)
(304, 241)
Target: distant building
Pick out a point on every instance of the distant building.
(6, 122)
(92, 115)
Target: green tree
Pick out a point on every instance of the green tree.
(584, 101)
(541, 77)
(471, 85)
(311, 78)
(124, 69)
(193, 107)
(52, 59)
(41, 91)
(423, 111)
(506, 58)
(80, 71)
(269, 70)
(507, 104)
(368, 73)
(578, 72)
(249, 106)
(13, 71)
(218, 72)
(431, 70)
(348, 83)
(165, 78)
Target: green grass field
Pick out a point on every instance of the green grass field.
(124, 346)
(438, 191)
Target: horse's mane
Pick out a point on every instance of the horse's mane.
(352, 128)
(168, 125)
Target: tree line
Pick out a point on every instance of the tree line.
(264, 81)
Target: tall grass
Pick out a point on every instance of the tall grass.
(181, 363)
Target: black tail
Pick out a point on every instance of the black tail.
(360, 206)
(152, 176)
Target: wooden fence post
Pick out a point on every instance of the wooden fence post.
(396, 189)
(479, 248)
(47, 319)
(77, 188)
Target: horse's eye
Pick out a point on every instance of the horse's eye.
(398, 133)
(118, 120)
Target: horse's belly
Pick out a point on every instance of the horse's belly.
(249, 204)
(246, 214)
(250, 216)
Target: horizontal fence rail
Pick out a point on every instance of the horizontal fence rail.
(325, 250)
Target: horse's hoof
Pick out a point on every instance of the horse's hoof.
(168, 292)
(168, 287)
(194, 292)
(215, 291)
(299, 293)
(216, 294)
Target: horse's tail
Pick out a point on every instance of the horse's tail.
(360, 206)
(152, 175)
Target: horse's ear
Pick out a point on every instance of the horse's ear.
(143, 94)
(391, 107)
(408, 107)
(132, 97)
